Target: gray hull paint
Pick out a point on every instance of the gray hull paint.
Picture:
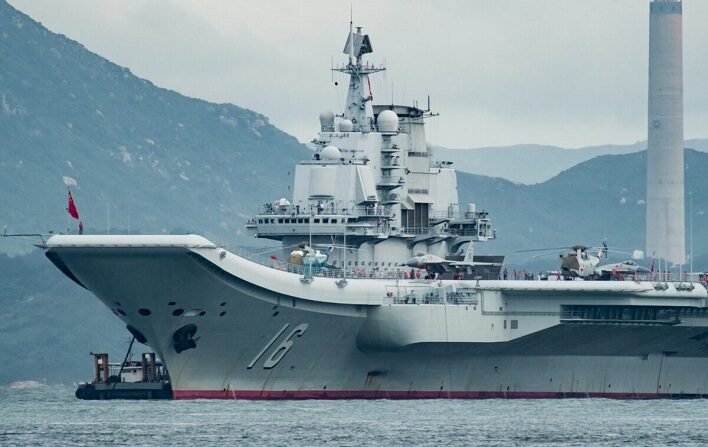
(328, 359)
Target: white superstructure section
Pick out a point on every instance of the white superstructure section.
(665, 229)
(372, 191)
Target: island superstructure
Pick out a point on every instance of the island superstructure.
(343, 309)
(373, 190)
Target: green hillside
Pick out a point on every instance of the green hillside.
(155, 160)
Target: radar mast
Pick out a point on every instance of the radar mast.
(359, 109)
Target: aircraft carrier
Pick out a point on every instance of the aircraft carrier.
(375, 290)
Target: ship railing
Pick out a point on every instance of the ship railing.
(436, 295)
(443, 215)
(362, 272)
(415, 230)
(665, 315)
(372, 210)
(324, 210)
(413, 298)
(439, 231)
(680, 282)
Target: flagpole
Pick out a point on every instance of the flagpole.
(68, 220)
(71, 208)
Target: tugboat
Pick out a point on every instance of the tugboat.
(144, 379)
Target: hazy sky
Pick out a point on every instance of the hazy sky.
(566, 72)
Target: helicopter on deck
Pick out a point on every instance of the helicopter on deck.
(579, 263)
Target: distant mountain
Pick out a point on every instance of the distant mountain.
(532, 163)
(602, 197)
(147, 158)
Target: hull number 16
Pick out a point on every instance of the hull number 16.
(277, 355)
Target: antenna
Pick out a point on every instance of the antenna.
(690, 204)
(351, 34)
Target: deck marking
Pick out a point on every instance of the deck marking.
(268, 345)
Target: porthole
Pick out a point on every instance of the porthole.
(171, 303)
(144, 312)
(202, 313)
(177, 312)
(222, 314)
(223, 304)
(117, 303)
(120, 311)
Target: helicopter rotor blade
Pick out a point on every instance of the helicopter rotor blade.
(543, 249)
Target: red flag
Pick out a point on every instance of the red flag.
(72, 208)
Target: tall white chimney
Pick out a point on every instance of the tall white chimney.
(665, 168)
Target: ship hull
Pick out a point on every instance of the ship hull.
(246, 341)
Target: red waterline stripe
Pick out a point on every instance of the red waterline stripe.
(372, 394)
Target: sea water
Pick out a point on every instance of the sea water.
(53, 416)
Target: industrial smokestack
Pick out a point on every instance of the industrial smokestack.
(665, 168)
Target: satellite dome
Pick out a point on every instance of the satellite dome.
(283, 202)
(327, 120)
(330, 153)
(346, 126)
(387, 121)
